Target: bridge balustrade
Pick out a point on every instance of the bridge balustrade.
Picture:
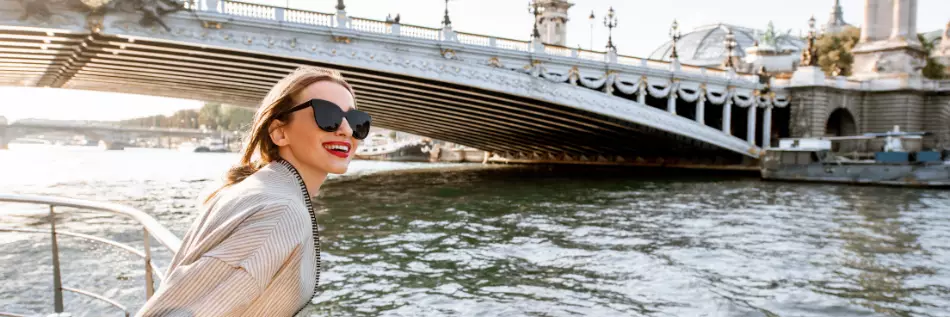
(273, 13)
(372, 26)
(419, 32)
(250, 10)
(308, 17)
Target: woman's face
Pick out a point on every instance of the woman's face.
(313, 148)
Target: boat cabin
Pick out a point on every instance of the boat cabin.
(821, 150)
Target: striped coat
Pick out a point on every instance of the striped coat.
(253, 251)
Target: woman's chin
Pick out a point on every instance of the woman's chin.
(338, 168)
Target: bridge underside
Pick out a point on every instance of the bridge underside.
(512, 126)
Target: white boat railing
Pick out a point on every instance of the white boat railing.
(150, 226)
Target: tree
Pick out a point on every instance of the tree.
(770, 37)
(933, 68)
(237, 118)
(213, 116)
(209, 115)
(834, 51)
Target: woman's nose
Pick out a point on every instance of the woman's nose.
(344, 130)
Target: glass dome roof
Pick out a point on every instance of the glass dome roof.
(705, 45)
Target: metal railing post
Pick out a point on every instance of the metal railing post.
(149, 284)
(57, 281)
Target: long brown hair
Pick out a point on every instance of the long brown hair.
(273, 107)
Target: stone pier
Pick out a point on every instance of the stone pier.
(830, 111)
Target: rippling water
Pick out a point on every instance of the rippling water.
(521, 242)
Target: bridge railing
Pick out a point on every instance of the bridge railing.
(280, 14)
(420, 32)
(151, 228)
(372, 26)
(250, 10)
(308, 17)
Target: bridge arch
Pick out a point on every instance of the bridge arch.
(840, 123)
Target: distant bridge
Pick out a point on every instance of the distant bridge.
(521, 100)
(99, 131)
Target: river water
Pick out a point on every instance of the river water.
(514, 241)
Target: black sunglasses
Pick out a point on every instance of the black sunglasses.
(329, 116)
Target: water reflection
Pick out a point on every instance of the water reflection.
(883, 266)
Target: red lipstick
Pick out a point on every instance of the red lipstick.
(338, 148)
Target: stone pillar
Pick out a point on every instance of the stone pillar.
(671, 100)
(701, 107)
(750, 130)
(877, 20)
(448, 35)
(888, 45)
(727, 115)
(610, 56)
(767, 127)
(553, 21)
(642, 93)
(904, 20)
(211, 5)
(341, 18)
(396, 29)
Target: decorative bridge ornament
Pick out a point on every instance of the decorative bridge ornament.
(600, 82)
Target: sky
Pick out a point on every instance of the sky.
(643, 26)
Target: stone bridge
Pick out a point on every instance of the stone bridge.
(106, 132)
(521, 100)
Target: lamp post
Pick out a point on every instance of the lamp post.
(610, 21)
(445, 21)
(731, 47)
(810, 55)
(340, 6)
(536, 11)
(592, 29)
(675, 35)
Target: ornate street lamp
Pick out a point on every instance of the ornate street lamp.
(610, 21)
(810, 55)
(675, 35)
(534, 9)
(591, 29)
(445, 21)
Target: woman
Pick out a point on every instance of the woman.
(253, 251)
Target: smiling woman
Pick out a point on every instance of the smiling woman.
(254, 249)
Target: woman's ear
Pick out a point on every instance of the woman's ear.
(277, 134)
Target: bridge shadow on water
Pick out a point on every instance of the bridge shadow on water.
(547, 175)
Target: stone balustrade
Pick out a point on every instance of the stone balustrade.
(294, 16)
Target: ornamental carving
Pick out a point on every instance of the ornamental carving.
(152, 11)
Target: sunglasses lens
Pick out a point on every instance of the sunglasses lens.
(359, 122)
(327, 115)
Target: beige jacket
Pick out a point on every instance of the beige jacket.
(251, 252)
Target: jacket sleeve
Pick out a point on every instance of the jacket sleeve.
(226, 279)
(207, 287)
